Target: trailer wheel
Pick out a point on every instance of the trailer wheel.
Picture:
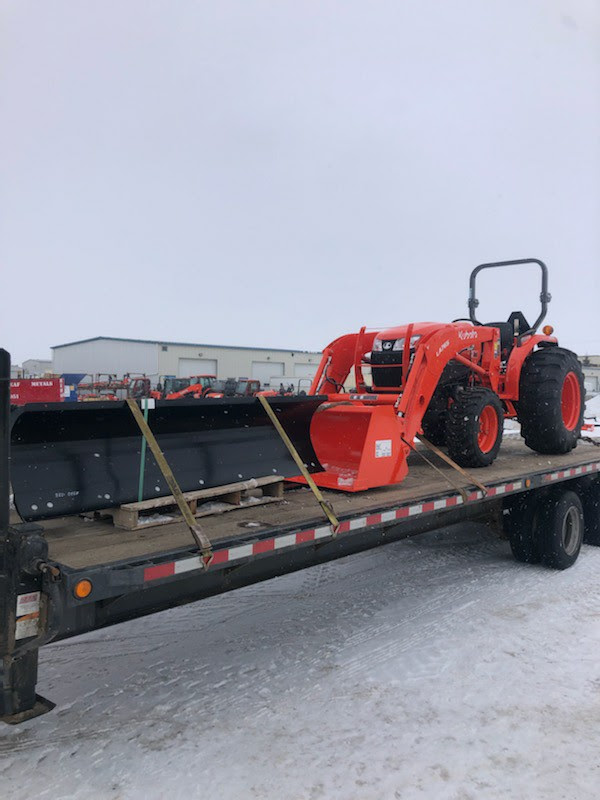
(521, 524)
(561, 529)
(474, 427)
(590, 499)
(551, 400)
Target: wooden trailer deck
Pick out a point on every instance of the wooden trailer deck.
(78, 543)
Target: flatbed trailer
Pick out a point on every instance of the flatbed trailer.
(128, 574)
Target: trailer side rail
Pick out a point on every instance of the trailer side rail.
(112, 580)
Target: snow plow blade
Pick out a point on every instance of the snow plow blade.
(72, 458)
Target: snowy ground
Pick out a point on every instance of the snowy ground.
(431, 668)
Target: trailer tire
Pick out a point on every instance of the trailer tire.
(521, 524)
(590, 499)
(561, 528)
(474, 427)
(434, 427)
(551, 400)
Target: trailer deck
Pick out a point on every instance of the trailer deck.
(79, 543)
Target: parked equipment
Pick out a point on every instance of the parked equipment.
(110, 387)
(75, 457)
(241, 387)
(455, 382)
(196, 386)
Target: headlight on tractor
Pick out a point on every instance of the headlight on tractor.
(399, 343)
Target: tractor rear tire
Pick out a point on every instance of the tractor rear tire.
(561, 528)
(551, 400)
(474, 427)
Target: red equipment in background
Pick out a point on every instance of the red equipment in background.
(197, 386)
(36, 390)
(109, 387)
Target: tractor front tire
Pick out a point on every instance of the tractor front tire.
(434, 427)
(474, 427)
(551, 400)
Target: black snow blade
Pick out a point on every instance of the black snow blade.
(71, 458)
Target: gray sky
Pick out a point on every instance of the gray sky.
(279, 173)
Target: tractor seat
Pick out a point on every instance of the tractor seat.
(506, 336)
(516, 322)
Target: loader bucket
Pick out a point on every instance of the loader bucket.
(72, 458)
(359, 446)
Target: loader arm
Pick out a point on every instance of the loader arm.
(338, 359)
(432, 355)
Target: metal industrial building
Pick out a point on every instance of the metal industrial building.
(108, 355)
(591, 371)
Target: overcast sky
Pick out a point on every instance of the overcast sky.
(279, 173)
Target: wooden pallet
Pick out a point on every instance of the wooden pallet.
(164, 510)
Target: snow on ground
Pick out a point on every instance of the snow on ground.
(511, 428)
(592, 407)
(431, 668)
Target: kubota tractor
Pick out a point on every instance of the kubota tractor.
(196, 387)
(454, 382)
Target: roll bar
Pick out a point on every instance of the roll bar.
(545, 295)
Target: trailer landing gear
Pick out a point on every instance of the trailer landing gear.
(18, 700)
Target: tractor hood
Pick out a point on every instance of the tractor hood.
(393, 338)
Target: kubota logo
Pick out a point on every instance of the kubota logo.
(467, 335)
(442, 347)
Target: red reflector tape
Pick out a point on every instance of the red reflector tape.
(243, 551)
(220, 557)
(308, 536)
(159, 571)
(263, 547)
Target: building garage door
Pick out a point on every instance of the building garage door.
(305, 370)
(265, 370)
(196, 366)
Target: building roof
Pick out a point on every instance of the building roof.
(184, 344)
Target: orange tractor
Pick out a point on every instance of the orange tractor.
(455, 383)
(196, 386)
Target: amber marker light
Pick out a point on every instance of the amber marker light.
(82, 589)
(547, 330)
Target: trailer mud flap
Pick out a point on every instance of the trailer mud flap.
(72, 458)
